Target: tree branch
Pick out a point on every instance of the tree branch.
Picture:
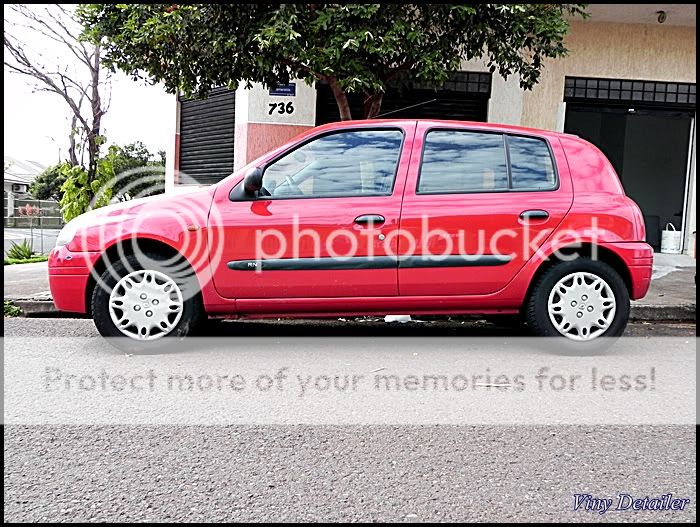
(56, 24)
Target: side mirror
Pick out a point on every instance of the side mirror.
(253, 180)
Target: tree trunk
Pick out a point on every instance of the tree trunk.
(72, 157)
(373, 103)
(72, 148)
(94, 133)
(341, 99)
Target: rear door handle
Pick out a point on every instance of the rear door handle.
(534, 215)
(370, 219)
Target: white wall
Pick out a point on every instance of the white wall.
(170, 153)
(304, 103)
(690, 225)
(506, 102)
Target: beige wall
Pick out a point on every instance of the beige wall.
(506, 102)
(621, 51)
(629, 51)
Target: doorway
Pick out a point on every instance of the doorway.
(465, 96)
(649, 149)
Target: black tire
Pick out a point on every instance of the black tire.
(192, 313)
(536, 311)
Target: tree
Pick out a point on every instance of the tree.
(122, 173)
(79, 85)
(355, 48)
(138, 173)
(47, 185)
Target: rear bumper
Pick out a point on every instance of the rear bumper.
(639, 258)
(69, 275)
(641, 280)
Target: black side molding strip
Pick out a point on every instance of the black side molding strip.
(456, 260)
(366, 262)
(308, 264)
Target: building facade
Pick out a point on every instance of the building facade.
(627, 85)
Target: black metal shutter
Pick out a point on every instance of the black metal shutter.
(626, 93)
(463, 97)
(206, 137)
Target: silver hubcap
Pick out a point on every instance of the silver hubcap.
(581, 306)
(145, 305)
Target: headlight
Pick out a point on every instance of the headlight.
(67, 233)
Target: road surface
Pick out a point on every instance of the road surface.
(337, 473)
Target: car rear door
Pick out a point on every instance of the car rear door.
(478, 203)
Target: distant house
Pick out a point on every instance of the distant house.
(18, 175)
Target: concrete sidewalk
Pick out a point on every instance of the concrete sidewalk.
(27, 281)
(671, 295)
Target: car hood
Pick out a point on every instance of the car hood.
(189, 200)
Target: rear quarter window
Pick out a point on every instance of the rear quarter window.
(531, 164)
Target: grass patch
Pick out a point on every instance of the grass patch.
(33, 259)
(11, 310)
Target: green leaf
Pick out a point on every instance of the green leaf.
(191, 48)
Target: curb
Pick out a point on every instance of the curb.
(33, 308)
(656, 313)
(37, 308)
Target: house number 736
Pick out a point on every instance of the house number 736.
(281, 108)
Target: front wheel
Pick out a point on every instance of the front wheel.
(581, 300)
(146, 299)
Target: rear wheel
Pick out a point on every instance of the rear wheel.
(581, 300)
(146, 299)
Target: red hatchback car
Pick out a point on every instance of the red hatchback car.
(371, 218)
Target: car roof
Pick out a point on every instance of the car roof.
(446, 122)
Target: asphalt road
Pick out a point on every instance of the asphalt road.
(339, 473)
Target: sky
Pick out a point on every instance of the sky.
(36, 124)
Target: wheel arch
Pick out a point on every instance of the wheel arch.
(125, 247)
(583, 250)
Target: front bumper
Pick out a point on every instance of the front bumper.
(69, 276)
(639, 258)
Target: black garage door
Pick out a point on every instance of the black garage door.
(464, 97)
(644, 128)
(206, 137)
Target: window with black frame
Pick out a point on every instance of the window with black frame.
(351, 163)
(531, 164)
(457, 161)
(464, 161)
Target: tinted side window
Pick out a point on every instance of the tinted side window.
(459, 161)
(531, 164)
(358, 163)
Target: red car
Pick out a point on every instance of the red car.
(371, 218)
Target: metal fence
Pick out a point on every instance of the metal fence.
(31, 213)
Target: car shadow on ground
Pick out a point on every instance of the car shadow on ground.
(363, 327)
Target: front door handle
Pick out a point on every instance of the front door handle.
(370, 219)
(534, 215)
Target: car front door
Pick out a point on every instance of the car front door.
(478, 203)
(323, 225)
